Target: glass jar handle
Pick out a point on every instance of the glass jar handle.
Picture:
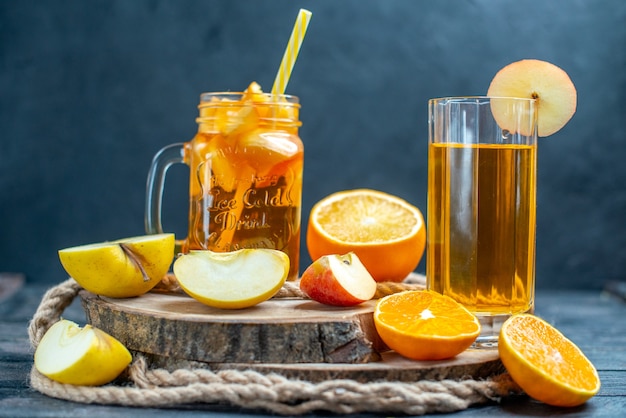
(166, 157)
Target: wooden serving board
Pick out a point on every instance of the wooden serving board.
(297, 338)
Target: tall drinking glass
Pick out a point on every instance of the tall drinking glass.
(482, 164)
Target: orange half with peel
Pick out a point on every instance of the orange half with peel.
(544, 363)
(425, 325)
(387, 233)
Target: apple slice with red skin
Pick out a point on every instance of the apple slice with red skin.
(338, 280)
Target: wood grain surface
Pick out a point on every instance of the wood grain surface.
(297, 338)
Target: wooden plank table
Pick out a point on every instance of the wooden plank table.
(593, 320)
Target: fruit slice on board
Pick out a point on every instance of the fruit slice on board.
(535, 79)
(386, 233)
(339, 280)
(232, 280)
(425, 325)
(124, 268)
(544, 363)
(86, 356)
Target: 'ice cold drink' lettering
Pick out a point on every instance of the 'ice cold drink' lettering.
(224, 210)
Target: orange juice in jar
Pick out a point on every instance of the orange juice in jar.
(246, 165)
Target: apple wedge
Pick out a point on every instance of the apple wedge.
(232, 280)
(123, 268)
(338, 280)
(86, 356)
(535, 79)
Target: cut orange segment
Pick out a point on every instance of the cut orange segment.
(544, 363)
(386, 233)
(425, 325)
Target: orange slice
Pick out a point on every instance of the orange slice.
(425, 325)
(386, 233)
(544, 363)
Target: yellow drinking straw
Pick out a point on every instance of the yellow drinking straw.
(291, 52)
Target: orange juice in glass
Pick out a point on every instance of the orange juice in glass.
(481, 207)
(245, 184)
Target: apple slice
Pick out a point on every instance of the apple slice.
(339, 280)
(263, 149)
(86, 356)
(232, 280)
(123, 268)
(535, 79)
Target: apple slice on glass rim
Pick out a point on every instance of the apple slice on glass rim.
(540, 80)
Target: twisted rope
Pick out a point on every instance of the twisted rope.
(253, 390)
(52, 305)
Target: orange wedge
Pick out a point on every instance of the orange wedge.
(425, 325)
(544, 363)
(386, 233)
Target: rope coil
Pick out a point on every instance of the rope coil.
(254, 390)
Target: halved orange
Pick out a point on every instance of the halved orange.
(425, 325)
(387, 233)
(544, 363)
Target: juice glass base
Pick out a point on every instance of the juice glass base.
(490, 326)
(489, 331)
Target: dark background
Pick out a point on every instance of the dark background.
(91, 90)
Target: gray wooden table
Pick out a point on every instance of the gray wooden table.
(596, 321)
